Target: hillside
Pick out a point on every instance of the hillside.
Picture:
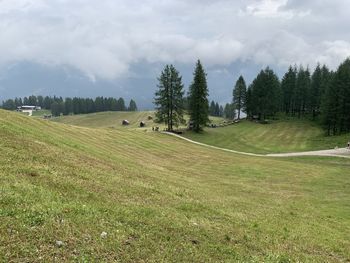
(291, 135)
(113, 119)
(108, 119)
(160, 199)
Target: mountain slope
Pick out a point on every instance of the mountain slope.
(160, 199)
(281, 136)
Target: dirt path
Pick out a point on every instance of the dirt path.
(340, 152)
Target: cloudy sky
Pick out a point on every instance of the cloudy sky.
(118, 47)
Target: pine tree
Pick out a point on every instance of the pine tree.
(68, 106)
(217, 110)
(198, 96)
(229, 111)
(132, 106)
(212, 108)
(316, 91)
(264, 95)
(121, 104)
(169, 98)
(239, 96)
(302, 91)
(287, 88)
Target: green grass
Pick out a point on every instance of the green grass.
(161, 199)
(279, 136)
(109, 119)
(41, 113)
(113, 119)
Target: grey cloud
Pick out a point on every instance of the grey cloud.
(104, 38)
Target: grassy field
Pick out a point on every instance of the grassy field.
(109, 119)
(160, 199)
(113, 119)
(279, 136)
(41, 113)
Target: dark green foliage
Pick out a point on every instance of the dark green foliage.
(316, 91)
(336, 102)
(120, 105)
(212, 108)
(9, 104)
(132, 106)
(229, 111)
(70, 105)
(198, 99)
(169, 98)
(302, 92)
(264, 95)
(288, 86)
(57, 108)
(240, 96)
(215, 109)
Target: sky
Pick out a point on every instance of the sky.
(118, 47)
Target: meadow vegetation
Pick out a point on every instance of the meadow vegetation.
(285, 135)
(158, 198)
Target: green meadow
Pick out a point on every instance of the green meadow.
(89, 193)
(285, 135)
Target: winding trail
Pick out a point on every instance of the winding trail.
(340, 152)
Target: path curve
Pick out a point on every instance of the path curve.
(340, 152)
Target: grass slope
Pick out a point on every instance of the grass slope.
(161, 199)
(279, 136)
(108, 119)
(113, 119)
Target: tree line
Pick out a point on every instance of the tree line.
(323, 96)
(75, 105)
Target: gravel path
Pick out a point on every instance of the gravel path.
(340, 152)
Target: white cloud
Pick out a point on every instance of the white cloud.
(104, 38)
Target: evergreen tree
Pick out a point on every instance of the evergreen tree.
(68, 106)
(121, 104)
(302, 91)
(169, 98)
(212, 108)
(316, 91)
(57, 108)
(40, 101)
(32, 100)
(239, 96)
(264, 97)
(9, 104)
(288, 85)
(198, 99)
(217, 110)
(47, 102)
(132, 106)
(250, 106)
(229, 111)
(221, 111)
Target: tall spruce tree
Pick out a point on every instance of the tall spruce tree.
(287, 88)
(264, 95)
(302, 91)
(212, 108)
(198, 99)
(316, 91)
(239, 96)
(169, 98)
(229, 111)
(132, 106)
